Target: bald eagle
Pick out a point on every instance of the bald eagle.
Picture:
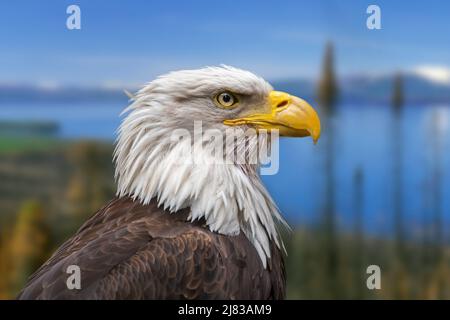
(185, 229)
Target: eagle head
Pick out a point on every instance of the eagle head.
(161, 129)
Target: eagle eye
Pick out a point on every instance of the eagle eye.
(226, 99)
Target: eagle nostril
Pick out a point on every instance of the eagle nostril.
(282, 103)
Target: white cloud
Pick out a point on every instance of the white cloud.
(437, 74)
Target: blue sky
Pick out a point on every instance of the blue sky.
(130, 42)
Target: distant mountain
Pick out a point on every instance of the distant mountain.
(358, 88)
(58, 94)
(417, 89)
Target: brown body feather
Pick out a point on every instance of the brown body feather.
(132, 251)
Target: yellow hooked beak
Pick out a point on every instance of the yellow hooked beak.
(292, 116)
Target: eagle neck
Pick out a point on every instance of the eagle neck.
(230, 198)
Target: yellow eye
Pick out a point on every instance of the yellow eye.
(226, 99)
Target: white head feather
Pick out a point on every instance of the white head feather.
(229, 196)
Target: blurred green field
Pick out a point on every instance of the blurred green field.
(28, 144)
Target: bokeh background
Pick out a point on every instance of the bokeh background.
(375, 190)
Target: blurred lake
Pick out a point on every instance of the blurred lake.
(365, 138)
